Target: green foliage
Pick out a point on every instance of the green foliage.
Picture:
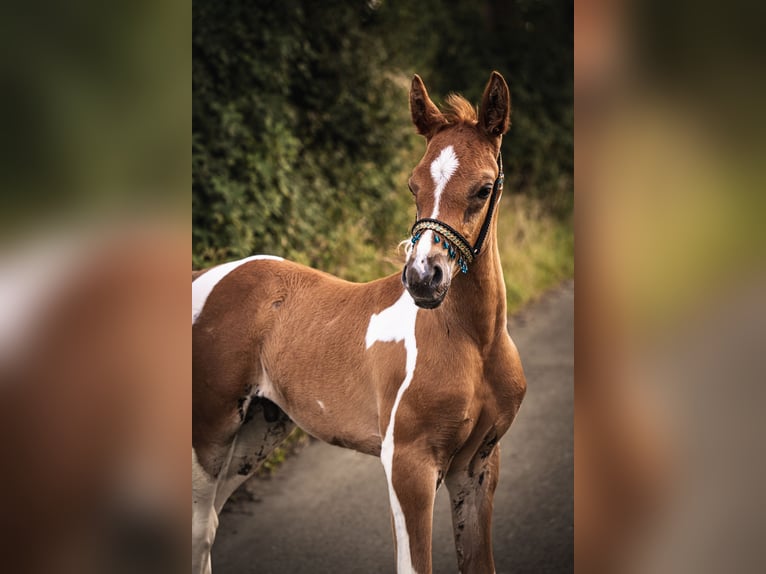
(302, 142)
(454, 44)
(299, 135)
(536, 248)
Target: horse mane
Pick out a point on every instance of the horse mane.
(458, 110)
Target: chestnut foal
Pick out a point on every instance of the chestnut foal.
(417, 368)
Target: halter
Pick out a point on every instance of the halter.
(455, 244)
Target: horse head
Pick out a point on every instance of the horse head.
(456, 186)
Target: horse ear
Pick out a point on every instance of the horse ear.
(495, 111)
(425, 115)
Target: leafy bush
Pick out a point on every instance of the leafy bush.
(454, 44)
(302, 142)
(299, 135)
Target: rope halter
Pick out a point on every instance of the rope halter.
(453, 241)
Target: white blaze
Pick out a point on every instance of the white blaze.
(442, 169)
(203, 285)
(396, 323)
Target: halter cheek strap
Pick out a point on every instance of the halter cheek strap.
(452, 240)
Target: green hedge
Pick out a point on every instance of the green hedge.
(302, 142)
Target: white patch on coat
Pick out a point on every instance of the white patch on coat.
(204, 284)
(396, 323)
(321, 405)
(442, 170)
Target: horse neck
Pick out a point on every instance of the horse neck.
(478, 297)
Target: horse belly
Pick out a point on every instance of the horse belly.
(327, 405)
(336, 426)
(338, 422)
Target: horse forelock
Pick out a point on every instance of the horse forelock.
(458, 110)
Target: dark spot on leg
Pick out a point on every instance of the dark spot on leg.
(481, 478)
(461, 525)
(245, 468)
(489, 444)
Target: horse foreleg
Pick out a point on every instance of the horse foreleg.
(411, 489)
(472, 491)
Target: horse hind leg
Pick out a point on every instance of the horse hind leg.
(264, 426)
(204, 516)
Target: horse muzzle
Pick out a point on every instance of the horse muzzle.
(427, 279)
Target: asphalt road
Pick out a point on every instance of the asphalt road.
(326, 510)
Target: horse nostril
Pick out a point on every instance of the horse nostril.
(411, 276)
(437, 276)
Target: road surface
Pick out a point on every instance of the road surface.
(326, 510)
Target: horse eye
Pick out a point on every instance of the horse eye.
(484, 192)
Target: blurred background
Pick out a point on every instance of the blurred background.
(302, 140)
(95, 345)
(671, 320)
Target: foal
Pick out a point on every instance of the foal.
(416, 368)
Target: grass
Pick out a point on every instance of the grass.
(536, 249)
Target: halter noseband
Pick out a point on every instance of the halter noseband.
(455, 244)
